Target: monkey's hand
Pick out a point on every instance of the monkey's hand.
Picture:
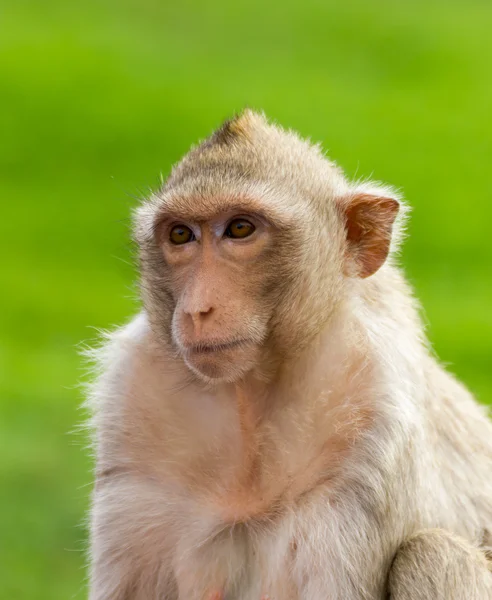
(434, 564)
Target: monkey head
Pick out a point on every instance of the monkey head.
(250, 246)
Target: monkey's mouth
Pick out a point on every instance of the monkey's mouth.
(211, 348)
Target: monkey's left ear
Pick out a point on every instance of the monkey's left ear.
(369, 222)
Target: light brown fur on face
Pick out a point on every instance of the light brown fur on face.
(218, 322)
(272, 425)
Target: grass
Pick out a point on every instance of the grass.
(98, 98)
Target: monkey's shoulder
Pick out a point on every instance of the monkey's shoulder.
(129, 368)
(127, 354)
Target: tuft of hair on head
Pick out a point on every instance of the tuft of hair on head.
(238, 128)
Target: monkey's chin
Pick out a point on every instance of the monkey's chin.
(222, 366)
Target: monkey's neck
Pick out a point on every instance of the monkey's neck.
(248, 417)
(267, 468)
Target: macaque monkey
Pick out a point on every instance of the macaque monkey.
(273, 424)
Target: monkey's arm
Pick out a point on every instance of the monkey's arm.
(434, 564)
(129, 557)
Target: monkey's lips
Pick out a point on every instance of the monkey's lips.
(215, 347)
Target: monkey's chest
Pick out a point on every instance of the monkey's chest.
(245, 542)
(242, 561)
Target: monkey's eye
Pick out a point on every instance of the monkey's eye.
(239, 228)
(180, 234)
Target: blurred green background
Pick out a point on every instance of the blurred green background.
(98, 97)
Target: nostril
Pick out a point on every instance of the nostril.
(198, 318)
(197, 312)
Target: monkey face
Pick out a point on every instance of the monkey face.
(251, 244)
(218, 269)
